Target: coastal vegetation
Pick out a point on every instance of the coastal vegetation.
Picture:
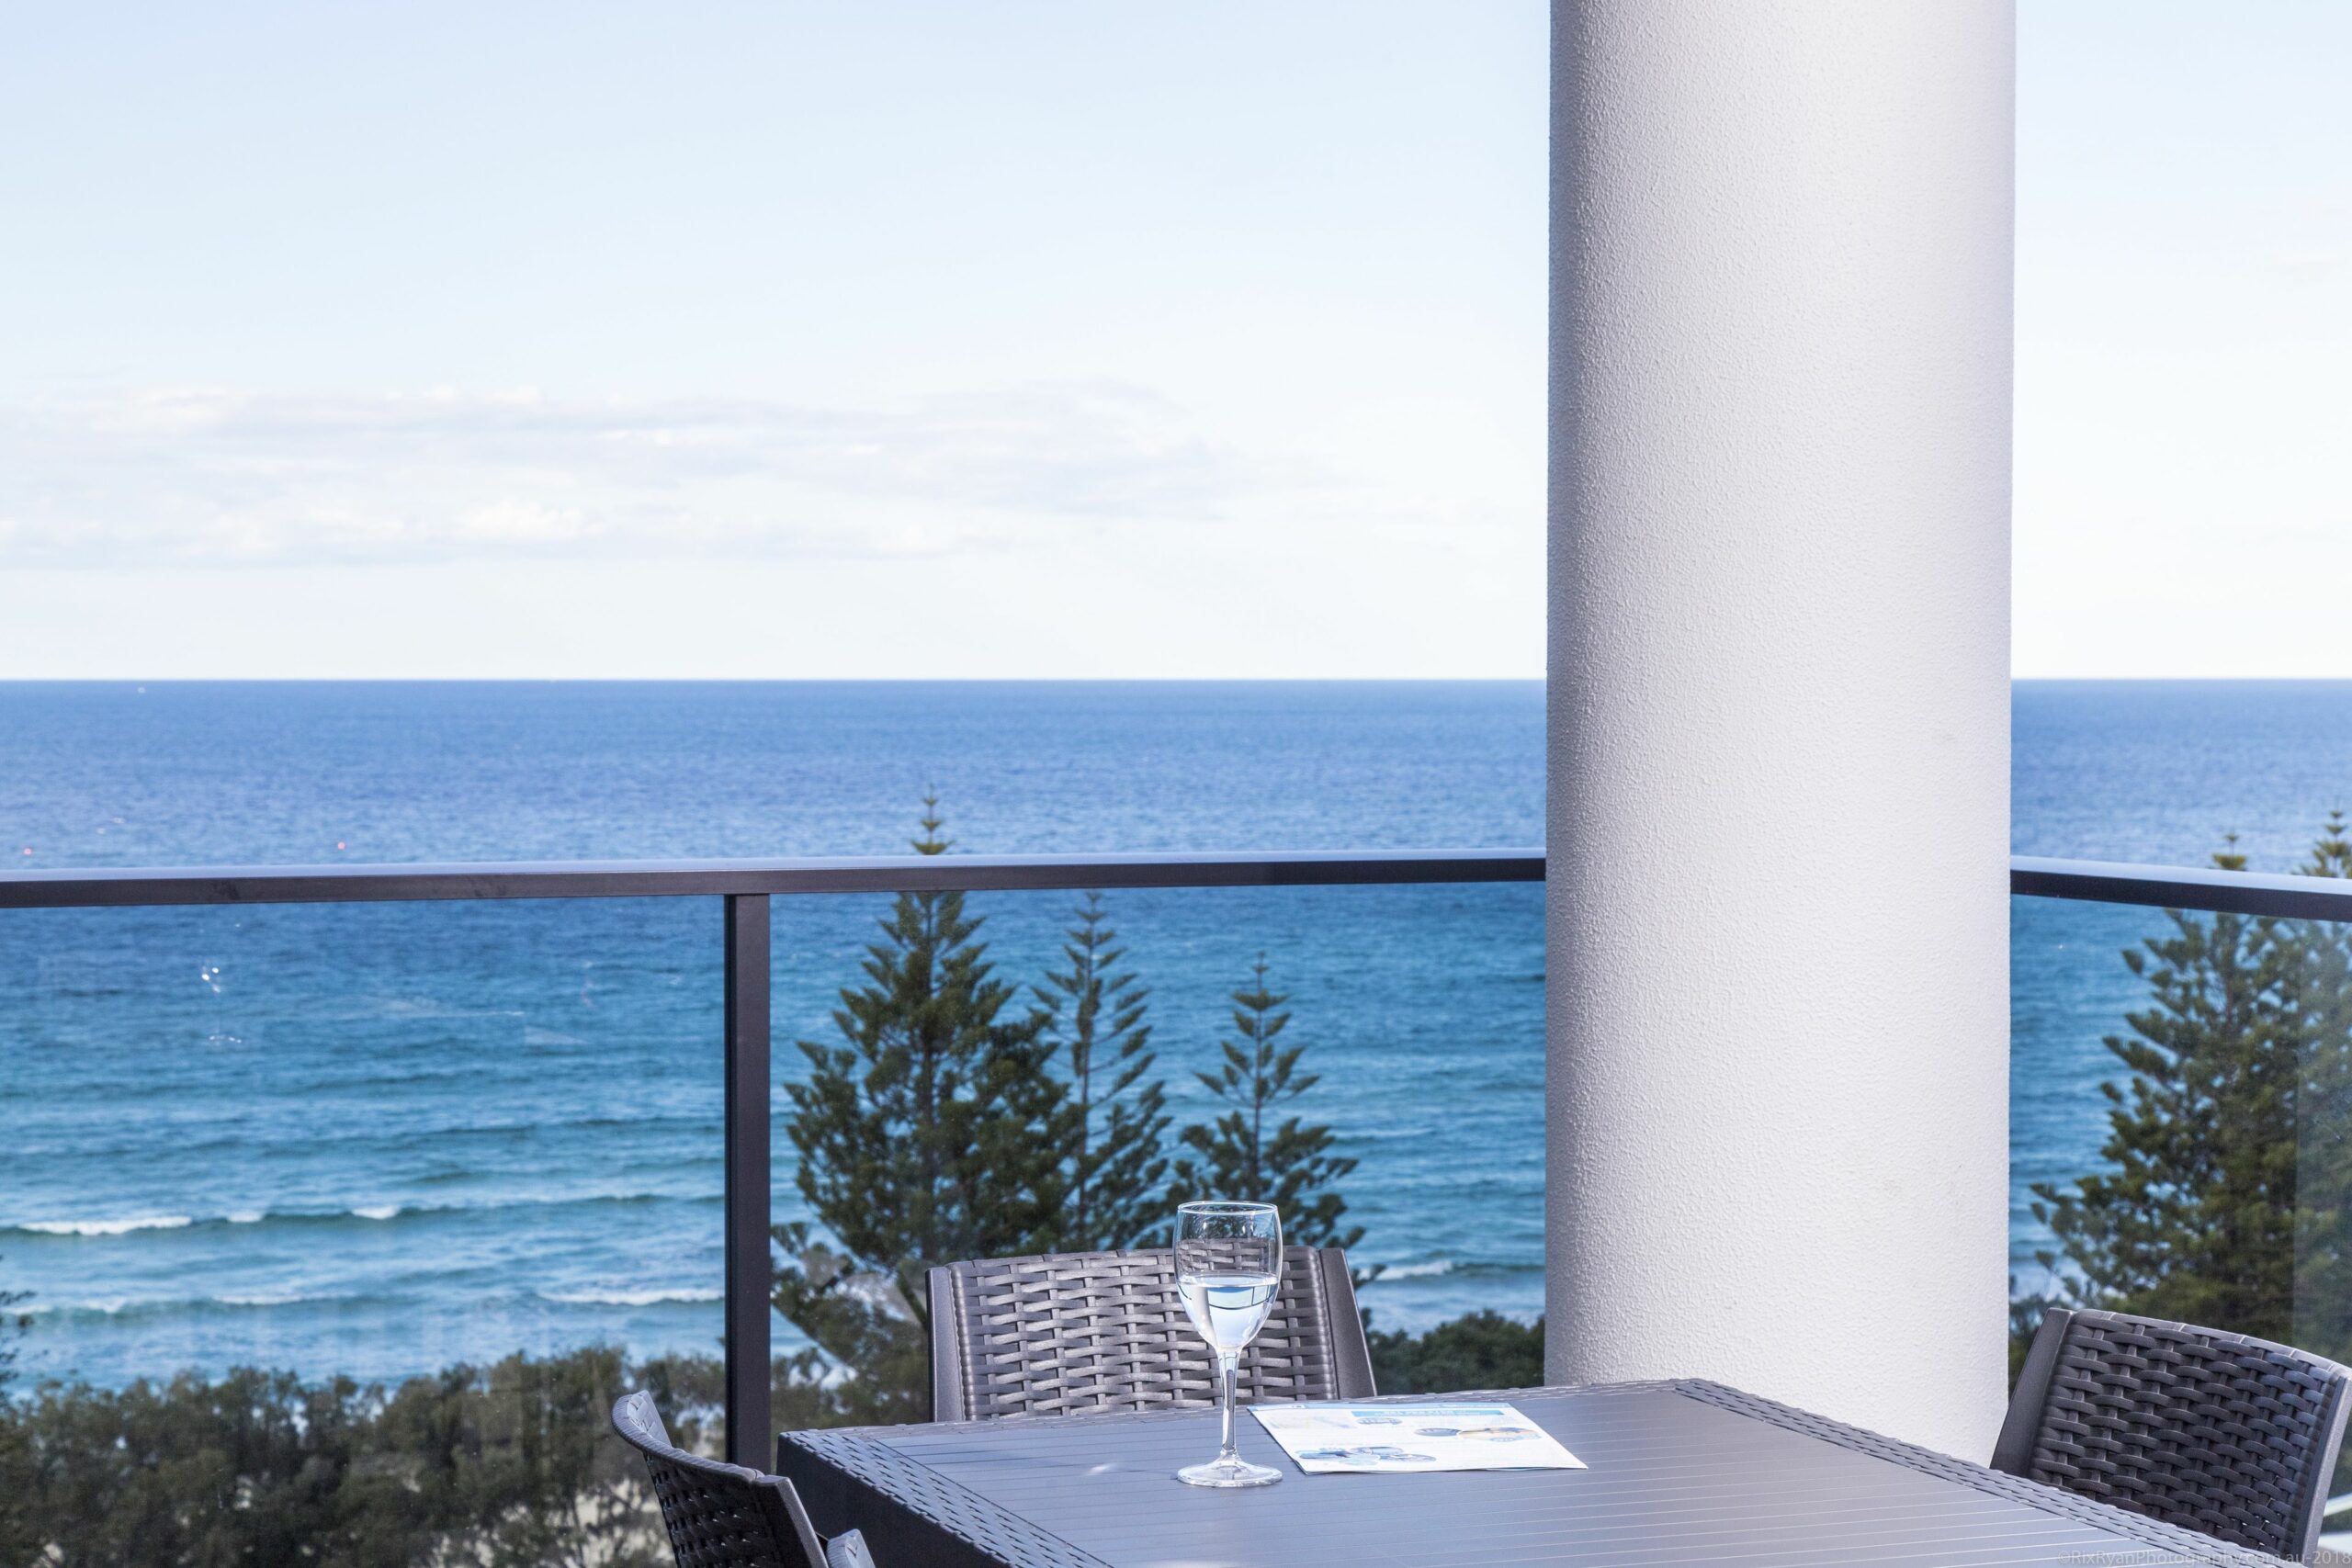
(1095, 1016)
(504, 1466)
(935, 1128)
(941, 1124)
(2225, 1197)
(1481, 1351)
(13, 1324)
(1251, 1153)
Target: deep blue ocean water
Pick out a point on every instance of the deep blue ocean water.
(379, 1139)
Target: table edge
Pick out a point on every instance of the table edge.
(853, 1449)
(2190, 1546)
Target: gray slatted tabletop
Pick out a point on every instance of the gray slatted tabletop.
(1680, 1473)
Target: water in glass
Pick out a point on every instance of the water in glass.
(1229, 1269)
(1229, 1309)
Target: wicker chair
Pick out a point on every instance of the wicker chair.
(2232, 1436)
(723, 1516)
(1105, 1331)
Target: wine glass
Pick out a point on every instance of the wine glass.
(1228, 1266)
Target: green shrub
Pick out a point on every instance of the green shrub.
(507, 1466)
(1483, 1350)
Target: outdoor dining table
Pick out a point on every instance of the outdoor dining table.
(1683, 1472)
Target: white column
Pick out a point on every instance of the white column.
(1779, 735)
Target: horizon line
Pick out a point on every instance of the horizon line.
(145, 681)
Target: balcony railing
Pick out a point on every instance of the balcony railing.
(746, 887)
(2183, 887)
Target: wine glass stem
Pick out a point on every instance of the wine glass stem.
(1230, 1365)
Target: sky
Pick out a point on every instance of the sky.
(2184, 351)
(1022, 340)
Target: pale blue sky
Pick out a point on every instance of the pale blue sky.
(1020, 339)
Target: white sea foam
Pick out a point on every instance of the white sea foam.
(112, 1306)
(109, 1305)
(107, 1227)
(103, 1228)
(629, 1298)
(1417, 1270)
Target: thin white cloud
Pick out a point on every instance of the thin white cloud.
(211, 476)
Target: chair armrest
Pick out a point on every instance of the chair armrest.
(848, 1550)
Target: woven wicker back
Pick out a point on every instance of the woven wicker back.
(1105, 1331)
(2232, 1436)
(719, 1516)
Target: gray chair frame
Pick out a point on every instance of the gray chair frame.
(2230, 1436)
(724, 1515)
(1074, 1331)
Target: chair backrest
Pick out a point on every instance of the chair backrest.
(2232, 1436)
(1106, 1331)
(723, 1516)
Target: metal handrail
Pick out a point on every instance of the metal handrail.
(2184, 888)
(115, 887)
(2103, 881)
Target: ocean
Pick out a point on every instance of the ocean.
(376, 1140)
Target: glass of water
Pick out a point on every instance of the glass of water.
(1228, 1266)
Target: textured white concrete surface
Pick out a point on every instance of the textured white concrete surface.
(1779, 744)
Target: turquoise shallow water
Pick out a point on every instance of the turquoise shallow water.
(376, 1139)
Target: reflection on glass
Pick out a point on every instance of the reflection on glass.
(2195, 1165)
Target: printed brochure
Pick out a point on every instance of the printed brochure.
(1327, 1438)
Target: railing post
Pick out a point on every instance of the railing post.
(748, 1434)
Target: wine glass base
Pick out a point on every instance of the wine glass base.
(1228, 1473)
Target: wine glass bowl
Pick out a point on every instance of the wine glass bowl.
(1228, 1270)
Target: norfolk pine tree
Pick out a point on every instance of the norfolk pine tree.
(1118, 1170)
(2226, 1202)
(1244, 1155)
(13, 1324)
(934, 1131)
(2322, 1315)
